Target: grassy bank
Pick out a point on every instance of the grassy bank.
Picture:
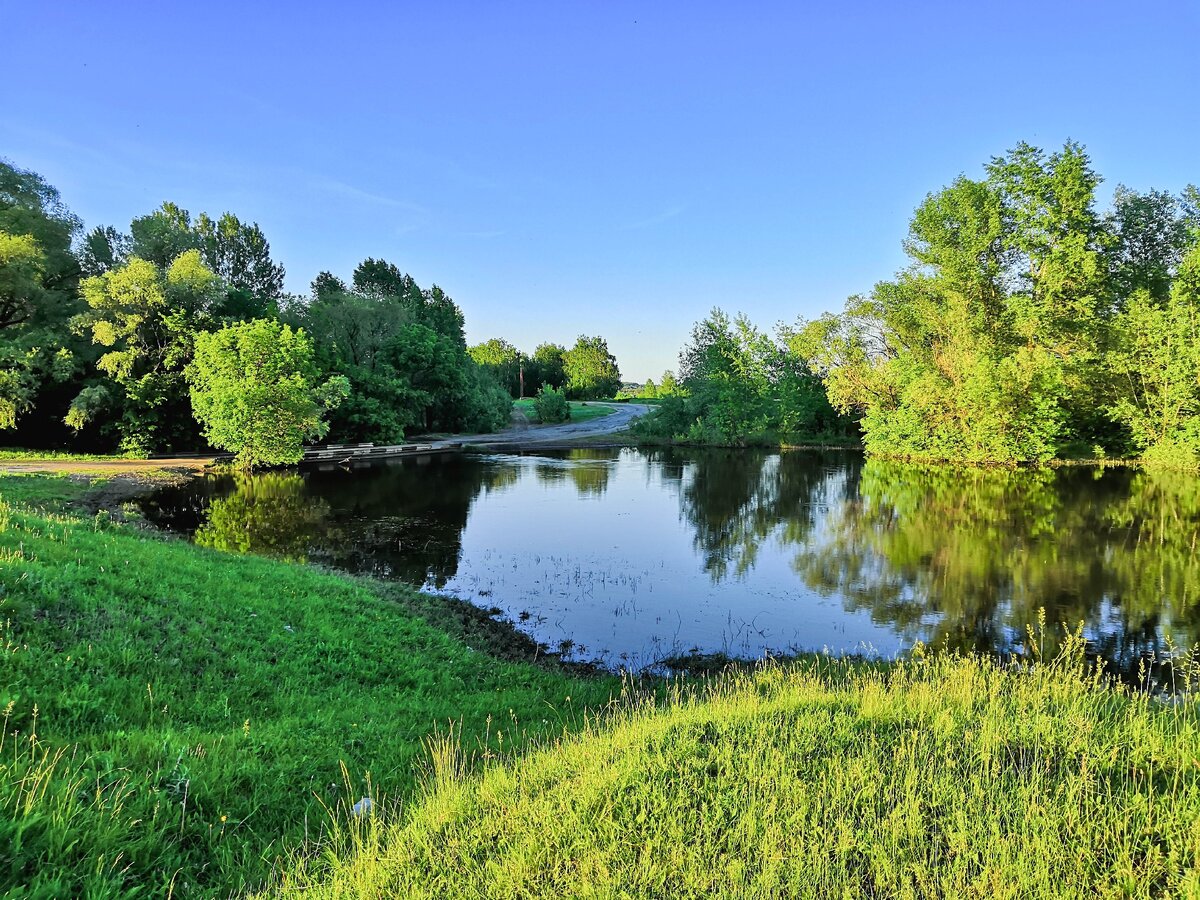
(936, 777)
(175, 718)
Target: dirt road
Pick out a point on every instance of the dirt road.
(524, 435)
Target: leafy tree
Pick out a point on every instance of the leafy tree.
(254, 391)
(147, 319)
(551, 406)
(39, 357)
(327, 284)
(741, 387)
(667, 385)
(162, 236)
(1150, 236)
(990, 346)
(241, 257)
(502, 361)
(1157, 358)
(380, 278)
(102, 250)
(591, 371)
(546, 366)
(238, 253)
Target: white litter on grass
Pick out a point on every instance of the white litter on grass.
(362, 807)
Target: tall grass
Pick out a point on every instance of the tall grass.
(940, 776)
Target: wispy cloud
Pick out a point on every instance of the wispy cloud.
(350, 192)
(658, 219)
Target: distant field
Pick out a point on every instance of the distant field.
(581, 410)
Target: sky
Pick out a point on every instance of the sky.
(566, 168)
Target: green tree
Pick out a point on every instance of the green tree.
(1150, 236)
(254, 391)
(502, 361)
(990, 345)
(241, 257)
(1157, 360)
(591, 371)
(102, 250)
(546, 366)
(237, 252)
(39, 357)
(146, 319)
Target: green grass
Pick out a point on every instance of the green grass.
(59, 456)
(177, 718)
(581, 410)
(936, 777)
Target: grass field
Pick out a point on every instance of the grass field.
(176, 718)
(936, 777)
(581, 410)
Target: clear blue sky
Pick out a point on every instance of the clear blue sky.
(601, 167)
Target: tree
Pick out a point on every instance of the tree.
(254, 390)
(1157, 358)
(502, 361)
(546, 366)
(162, 236)
(102, 250)
(147, 319)
(325, 285)
(591, 371)
(38, 295)
(1150, 236)
(990, 346)
(237, 252)
(241, 257)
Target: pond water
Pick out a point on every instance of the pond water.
(631, 557)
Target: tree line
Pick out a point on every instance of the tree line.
(179, 332)
(586, 371)
(1028, 325)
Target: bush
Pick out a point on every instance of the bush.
(551, 406)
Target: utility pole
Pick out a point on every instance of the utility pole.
(522, 381)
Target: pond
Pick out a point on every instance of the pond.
(633, 557)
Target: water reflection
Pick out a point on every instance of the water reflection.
(968, 557)
(638, 555)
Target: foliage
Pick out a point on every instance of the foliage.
(254, 391)
(546, 366)
(739, 386)
(197, 712)
(993, 344)
(551, 406)
(504, 362)
(147, 319)
(940, 776)
(591, 371)
(1157, 355)
(39, 358)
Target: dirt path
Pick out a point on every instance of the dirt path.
(517, 437)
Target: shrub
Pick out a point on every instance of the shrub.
(551, 406)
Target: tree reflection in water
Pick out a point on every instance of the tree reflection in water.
(967, 557)
(954, 556)
(401, 521)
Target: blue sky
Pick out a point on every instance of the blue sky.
(584, 167)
